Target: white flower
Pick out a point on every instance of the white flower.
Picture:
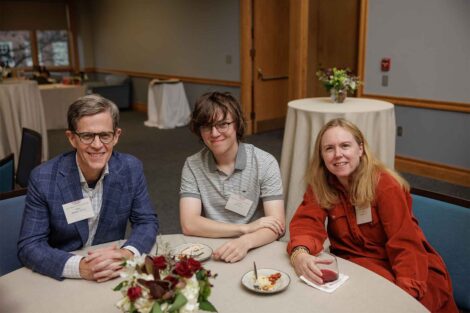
(191, 292)
(129, 271)
(144, 304)
(124, 304)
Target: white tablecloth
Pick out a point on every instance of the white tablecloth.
(168, 106)
(56, 99)
(364, 291)
(20, 106)
(305, 118)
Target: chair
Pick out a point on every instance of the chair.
(30, 155)
(445, 222)
(7, 173)
(11, 214)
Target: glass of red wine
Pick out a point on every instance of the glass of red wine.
(328, 265)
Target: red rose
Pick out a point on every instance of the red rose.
(159, 262)
(172, 279)
(194, 265)
(134, 293)
(182, 269)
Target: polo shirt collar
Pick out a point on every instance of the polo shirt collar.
(240, 161)
(211, 162)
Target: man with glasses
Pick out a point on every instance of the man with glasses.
(86, 197)
(221, 185)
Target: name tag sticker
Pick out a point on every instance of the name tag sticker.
(238, 204)
(363, 215)
(78, 210)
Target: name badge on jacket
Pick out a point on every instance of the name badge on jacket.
(238, 204)
(78, 210)
(363, 215)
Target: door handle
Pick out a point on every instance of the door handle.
(265, 78)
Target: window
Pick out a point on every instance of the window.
(53, 47)
(37, 33)
(15, 48)
(50, 48)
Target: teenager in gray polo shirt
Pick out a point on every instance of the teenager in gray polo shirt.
(221, 185)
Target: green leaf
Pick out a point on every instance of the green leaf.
(180, 300)
(119, 287)
(207, 306)
(200, 275)
(156, 308)
(204, 290)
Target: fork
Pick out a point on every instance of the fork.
(255, 284)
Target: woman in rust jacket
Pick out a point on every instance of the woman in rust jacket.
(370, 221)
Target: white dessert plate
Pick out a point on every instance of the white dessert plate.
(198, 251)
(248, 281)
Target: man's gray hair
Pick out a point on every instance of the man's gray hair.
(91, 105)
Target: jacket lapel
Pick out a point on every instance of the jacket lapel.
(69, 185)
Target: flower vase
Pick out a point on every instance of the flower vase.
(338, 95)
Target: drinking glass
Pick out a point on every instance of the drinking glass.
(328, 265)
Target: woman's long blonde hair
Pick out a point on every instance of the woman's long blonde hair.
(363, 180)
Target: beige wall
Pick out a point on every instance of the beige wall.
(177, 37)
(428, 42)
(84, 34)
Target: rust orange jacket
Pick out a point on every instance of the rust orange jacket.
(392, 244)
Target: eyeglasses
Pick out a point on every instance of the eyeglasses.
(221, 127)
(88, 138)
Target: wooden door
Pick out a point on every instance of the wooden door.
(270, 63)
(337, 35)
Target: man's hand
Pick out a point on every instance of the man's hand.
(270, 222)
(103, 264)
(233, 250)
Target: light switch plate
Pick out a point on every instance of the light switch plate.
(384, 80)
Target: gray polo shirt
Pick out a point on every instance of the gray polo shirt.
(256, 175)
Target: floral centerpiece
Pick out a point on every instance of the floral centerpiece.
(161, 284)
(4, 71)
(338, 82)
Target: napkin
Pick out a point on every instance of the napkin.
(328, 287)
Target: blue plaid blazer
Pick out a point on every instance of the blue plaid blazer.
(46, 239)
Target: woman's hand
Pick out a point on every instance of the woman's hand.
(306, 265)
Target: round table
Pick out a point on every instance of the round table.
(364, 291)
(305, 118)
(168, 106)
(20, 106)
(56, 99)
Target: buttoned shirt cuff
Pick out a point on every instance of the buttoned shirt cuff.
(72, 267)
(133, 250)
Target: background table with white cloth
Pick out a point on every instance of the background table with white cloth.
(305, 118)
(56, 99)
(168, 106)
(26, 291)
(20, 106)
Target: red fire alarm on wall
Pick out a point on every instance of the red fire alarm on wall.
(385, 64)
